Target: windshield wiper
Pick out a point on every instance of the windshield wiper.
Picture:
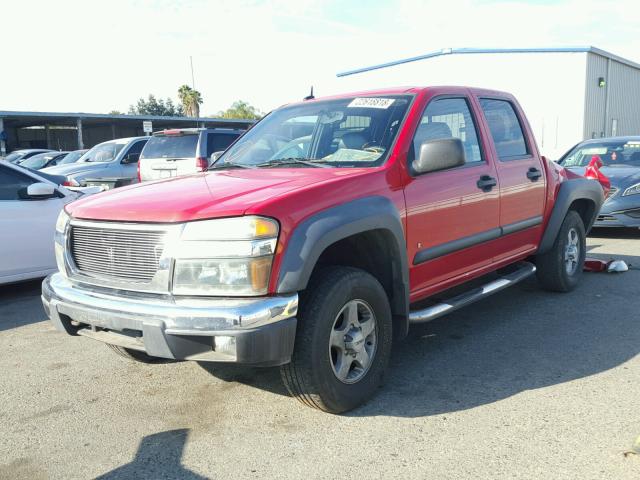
(216, 166)
(293, 161)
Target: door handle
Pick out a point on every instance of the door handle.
(534, 174)
(486, 183)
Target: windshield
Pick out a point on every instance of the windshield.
(171, 146)
(104, 152)
(71, 157)
(618, 153)
(13, 156)
(348, 132)
(38, 161)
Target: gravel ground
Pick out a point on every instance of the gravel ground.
(526, 384)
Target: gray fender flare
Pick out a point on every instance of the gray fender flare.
(570, 191)
(312, 236)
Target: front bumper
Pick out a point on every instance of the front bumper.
(257, 331)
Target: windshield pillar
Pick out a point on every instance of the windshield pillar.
(79, 128)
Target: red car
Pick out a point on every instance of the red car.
(320, 235)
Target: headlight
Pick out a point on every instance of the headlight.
(62, 222)
(228, 256)
(61, 226)
(632, 190)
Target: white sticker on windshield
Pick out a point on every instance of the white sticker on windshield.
(372, 102)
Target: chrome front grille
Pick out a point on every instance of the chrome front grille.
(116, 253)
(612, 192)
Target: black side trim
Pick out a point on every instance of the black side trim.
(521, 225)
(459, 244)
(311, 237)
(472, 240)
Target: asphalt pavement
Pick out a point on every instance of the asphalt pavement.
(526, 384)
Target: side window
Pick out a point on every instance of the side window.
(505, 129)
(137, 148)
(217, 142)
(447, 118)
(12, 183)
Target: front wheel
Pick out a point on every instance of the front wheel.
(343, 341)
(560, 268)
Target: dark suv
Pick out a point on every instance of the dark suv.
(171, 153)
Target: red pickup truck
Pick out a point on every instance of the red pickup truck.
(321, 235)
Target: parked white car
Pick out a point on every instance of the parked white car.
(29, 206)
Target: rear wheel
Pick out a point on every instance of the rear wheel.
(560, 268)
(136, 355)
(343, 341)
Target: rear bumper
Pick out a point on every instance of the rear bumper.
(258, 331)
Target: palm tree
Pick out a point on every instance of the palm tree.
(191, 100)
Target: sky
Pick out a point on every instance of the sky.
(97, 56)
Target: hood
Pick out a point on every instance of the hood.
(618, 176)
(206, 195)
(75, 168)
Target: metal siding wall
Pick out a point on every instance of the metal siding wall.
(619, 100)
(624, 99)
(595, 97)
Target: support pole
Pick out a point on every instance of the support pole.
(79, 127)
(113, 131)
(47, 132)
(3, 144)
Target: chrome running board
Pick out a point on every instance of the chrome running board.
(525, 269)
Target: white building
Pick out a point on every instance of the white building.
(568, 94)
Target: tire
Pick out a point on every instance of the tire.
(137, 356)
(553, 269)
(335, 366)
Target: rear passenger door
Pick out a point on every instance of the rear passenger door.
(521, 174)
(453, 214)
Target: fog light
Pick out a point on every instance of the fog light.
(225, 345)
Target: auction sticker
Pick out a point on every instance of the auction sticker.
(372, 102)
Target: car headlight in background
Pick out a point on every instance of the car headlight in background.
(227, 256)
(632, 190)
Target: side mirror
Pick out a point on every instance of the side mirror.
(40, 191)
(439, 154)
(216, 155)
(131, 158)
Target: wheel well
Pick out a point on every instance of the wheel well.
(586, 209)
(376, 252)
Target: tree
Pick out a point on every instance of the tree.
(191, 100)
(241, 109)
(115, 112)
(154, 106)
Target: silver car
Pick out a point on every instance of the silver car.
(106, 163)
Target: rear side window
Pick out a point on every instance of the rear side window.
(448, 118)
(505, 129)
(11, 183)
(217, 142)
(171, 146)
(137, 147)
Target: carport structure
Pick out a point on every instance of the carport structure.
(71, 131)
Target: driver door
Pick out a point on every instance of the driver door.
(26, 229)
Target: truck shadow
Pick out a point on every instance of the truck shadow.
(515, 341)
(158, 456)
(520, 339)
